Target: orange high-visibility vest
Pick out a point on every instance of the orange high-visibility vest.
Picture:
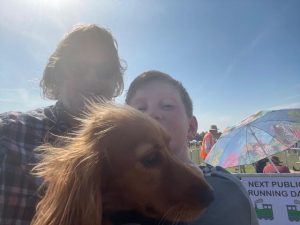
(207, 137)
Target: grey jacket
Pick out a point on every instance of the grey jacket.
(232, 205)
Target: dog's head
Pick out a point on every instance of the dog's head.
(119, 160)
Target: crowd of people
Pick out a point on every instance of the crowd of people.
(85, 67)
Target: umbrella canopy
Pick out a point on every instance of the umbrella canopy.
(258, 136)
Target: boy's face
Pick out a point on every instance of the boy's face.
(162, 102)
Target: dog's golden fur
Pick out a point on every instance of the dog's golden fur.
(118, 160)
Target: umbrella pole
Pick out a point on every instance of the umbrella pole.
(262, 147)
(286, 158)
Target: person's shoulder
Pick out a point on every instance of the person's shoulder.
(209, 170)
(15, 116)
(284, 169)
(229, 191)
(12, 119)
(219, 174)
(207, 134)
(269, 169)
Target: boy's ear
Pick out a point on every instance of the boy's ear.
(193, 127)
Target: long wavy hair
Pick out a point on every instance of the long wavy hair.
(71, 44)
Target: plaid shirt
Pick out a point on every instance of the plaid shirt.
(20, 134)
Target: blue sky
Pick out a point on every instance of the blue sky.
(235, 57)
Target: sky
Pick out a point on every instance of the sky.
(234, 57)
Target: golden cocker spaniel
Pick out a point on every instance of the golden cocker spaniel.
(118, 160)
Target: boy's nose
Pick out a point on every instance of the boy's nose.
(155, 115)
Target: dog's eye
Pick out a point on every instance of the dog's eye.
(151, 160)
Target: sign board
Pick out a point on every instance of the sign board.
(276, 197)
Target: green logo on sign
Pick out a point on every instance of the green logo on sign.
(293, 212)
(263, 210)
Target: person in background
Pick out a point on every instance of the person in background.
(269, 168)
(260, 164)
(85, 66)
(208, 141)
(167, 101)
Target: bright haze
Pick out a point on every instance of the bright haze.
(234, 57)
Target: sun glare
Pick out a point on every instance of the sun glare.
(53, 4)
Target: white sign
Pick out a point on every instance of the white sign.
(276, 197)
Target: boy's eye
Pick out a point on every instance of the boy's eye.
(142, 109)
(167, 106)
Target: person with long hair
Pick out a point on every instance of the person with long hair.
(84, 67)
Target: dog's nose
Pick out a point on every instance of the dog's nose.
(203, 195)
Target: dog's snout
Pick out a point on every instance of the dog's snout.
(204, 196)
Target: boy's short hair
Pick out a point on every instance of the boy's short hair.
(154, 75)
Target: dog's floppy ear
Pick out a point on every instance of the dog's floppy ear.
(73, 181)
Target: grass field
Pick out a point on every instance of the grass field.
(288, 157)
